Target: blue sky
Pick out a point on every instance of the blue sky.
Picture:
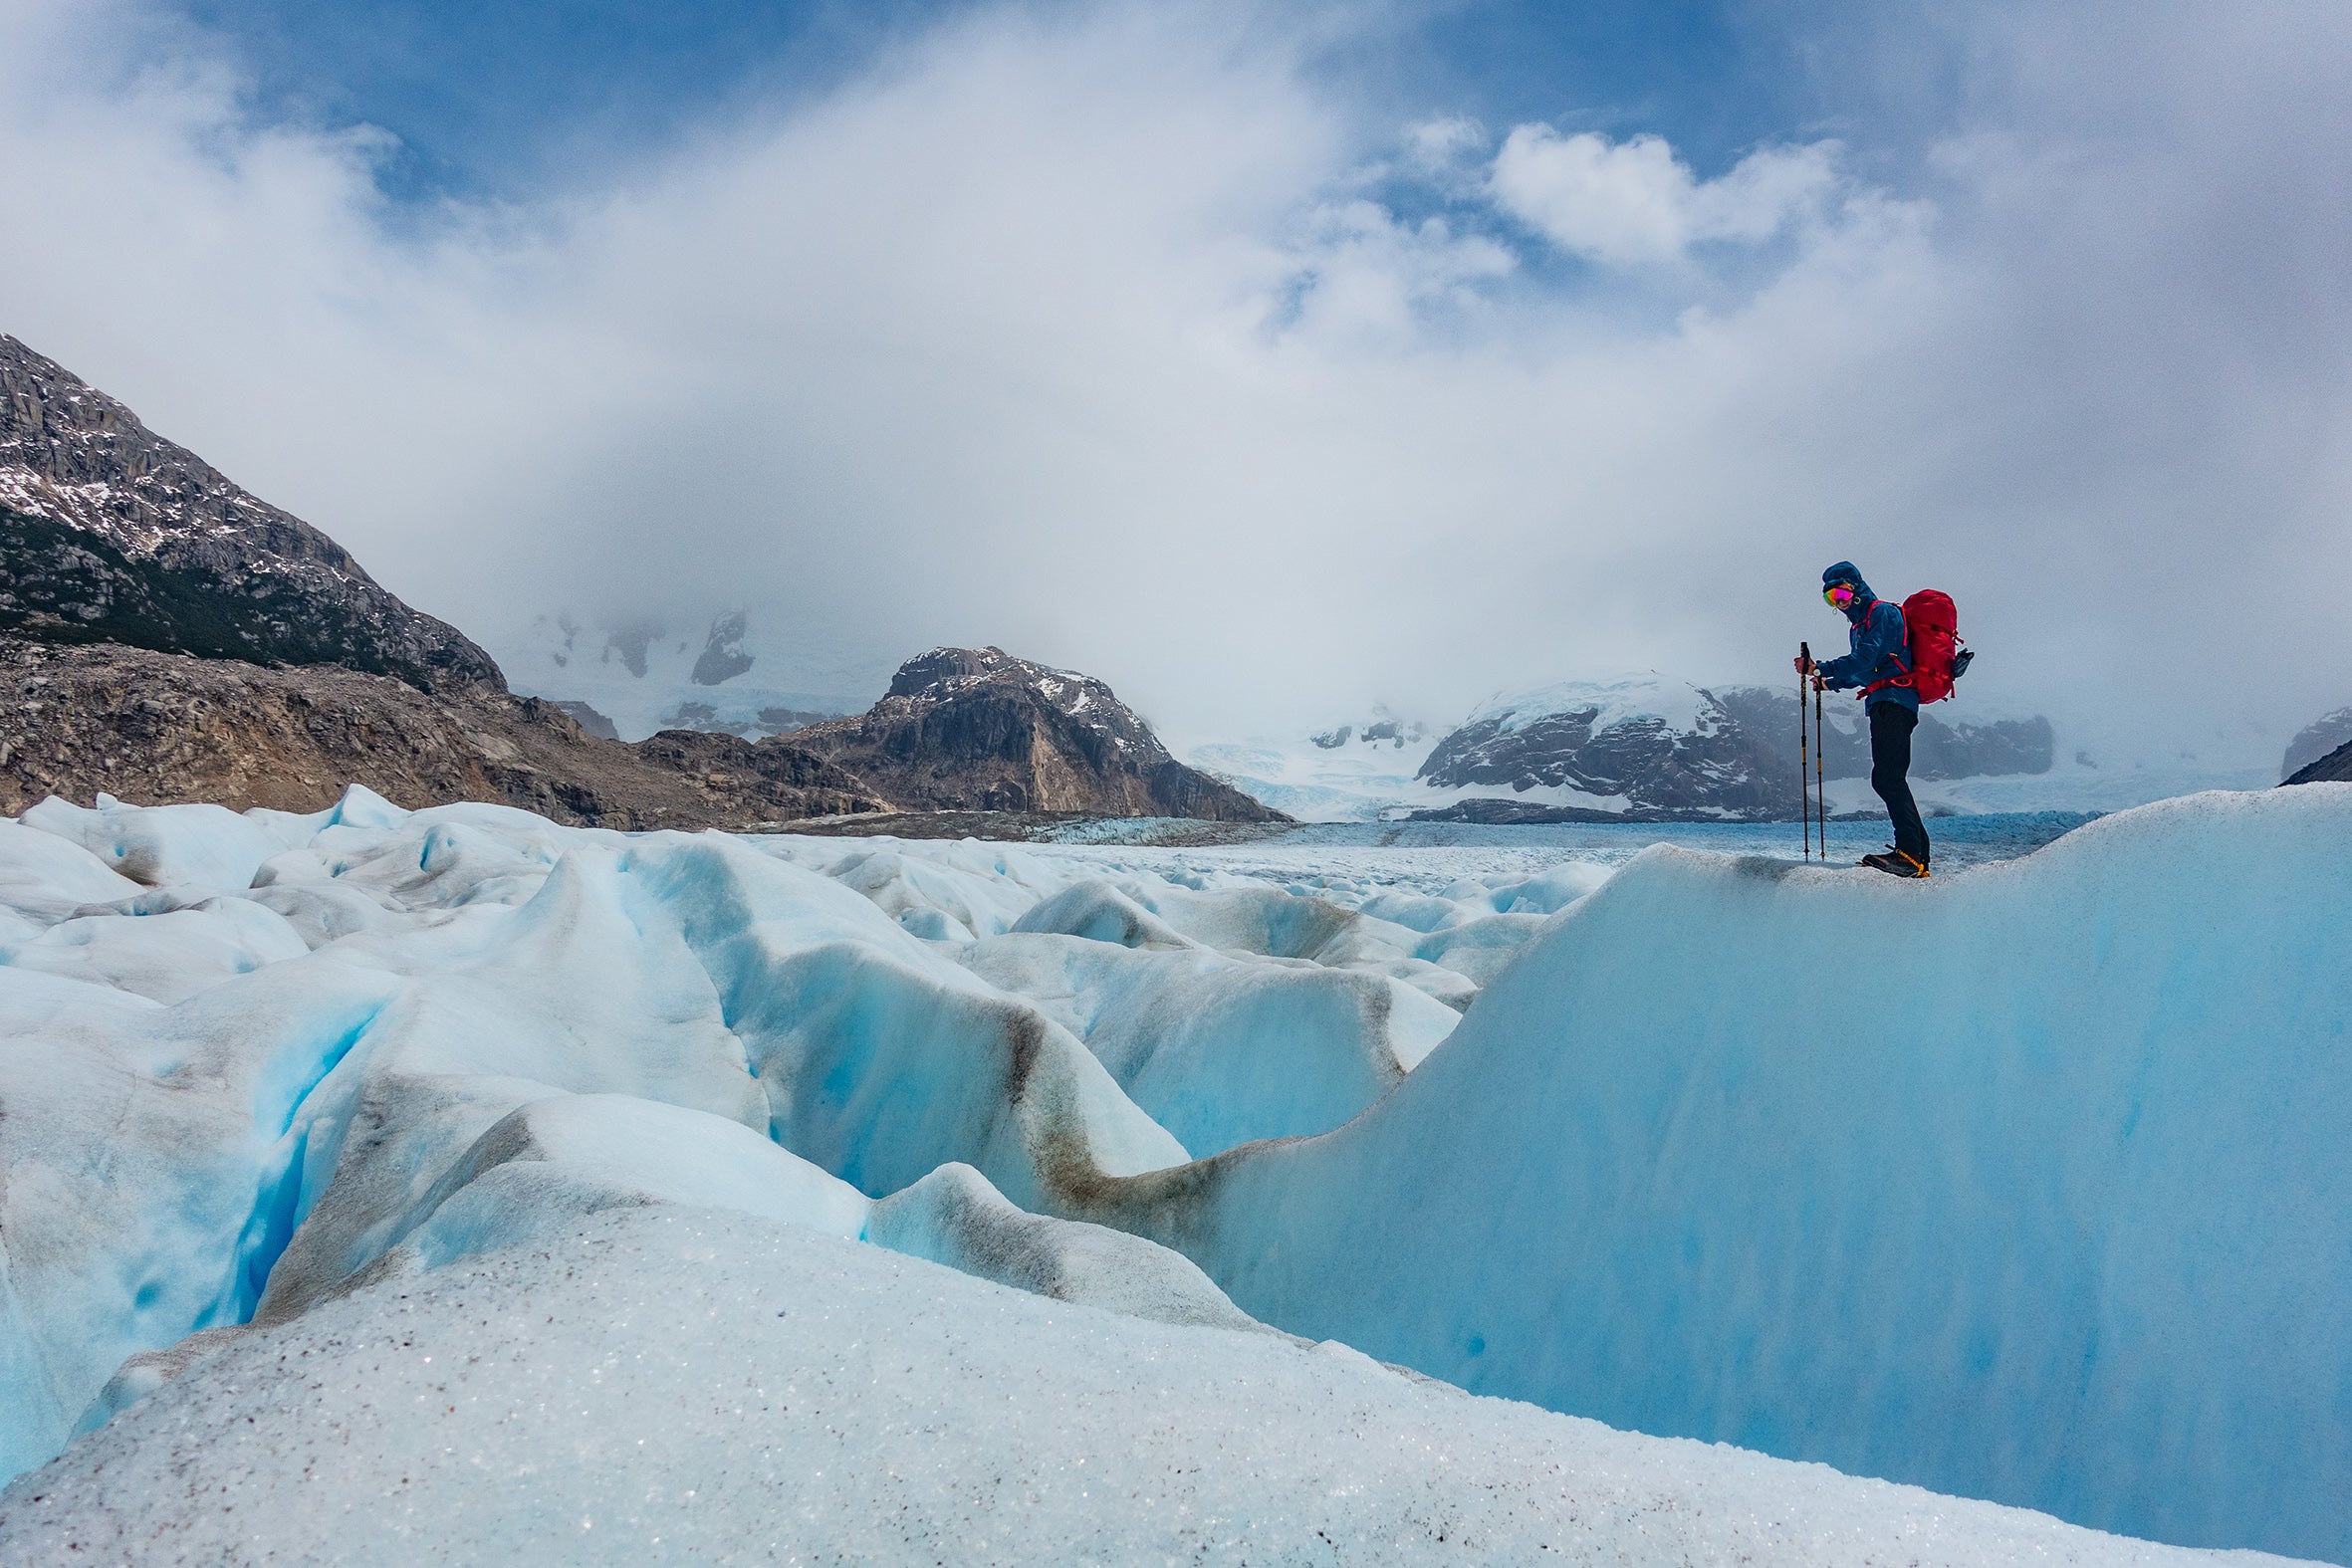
(1269, 362)
(503, 99)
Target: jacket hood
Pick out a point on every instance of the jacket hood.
(1846, 573)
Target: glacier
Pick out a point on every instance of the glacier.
(655, 1193)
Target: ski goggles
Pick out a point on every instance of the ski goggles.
(1838, 595)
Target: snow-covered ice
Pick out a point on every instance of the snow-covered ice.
(674, 1385)
(454, 1183)
(2069, 786)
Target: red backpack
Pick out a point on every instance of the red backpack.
(1937, 656)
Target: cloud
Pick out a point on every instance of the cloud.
(1632, 202)
(1127, 337)
(1361, 277)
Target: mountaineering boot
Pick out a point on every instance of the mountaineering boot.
(1895, 863)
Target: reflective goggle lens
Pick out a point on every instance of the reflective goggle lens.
(1839, 594)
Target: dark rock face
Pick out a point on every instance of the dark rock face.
(2315, 741)
(1769, 719)
(151, 728)
(1739, 758)
(631, 642)
(1716, 768)
(722, 657)
(110, 534)
(2334, 767)
(1974, 751)
(974, 729)
(1395, 733)
(1939, 749)
(591, 721)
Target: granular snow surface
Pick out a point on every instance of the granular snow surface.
(454, 1185)
(679, 1385)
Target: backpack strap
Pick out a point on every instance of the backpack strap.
(1900, 657)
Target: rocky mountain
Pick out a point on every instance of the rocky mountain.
(165, 635)
(1627, 748)
(976, 729)
(1940, 749)
(110, 534)
(1643, 747)
(2334, 767)
(2315, 741)
(1382, 731)
(150, 727)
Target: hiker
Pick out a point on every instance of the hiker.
(1879, 665)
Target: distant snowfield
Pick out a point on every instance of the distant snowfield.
(1360, 782)
(452, 1184)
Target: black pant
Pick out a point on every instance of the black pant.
(1891, 725)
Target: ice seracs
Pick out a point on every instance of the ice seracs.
(2036, 1219)
(877, 1184)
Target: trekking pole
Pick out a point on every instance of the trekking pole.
(1821, 748)
(1804, 785)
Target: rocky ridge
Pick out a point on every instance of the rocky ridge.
(1940, 747)
(2334, 767)
(151, 728)
(2316, 741)
(976, 729)
(1592, 741)
(1637, 749)
(110, 534)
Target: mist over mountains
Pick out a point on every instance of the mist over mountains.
(729, 672)
(118, 535)
(172, 637)
(1631, 747)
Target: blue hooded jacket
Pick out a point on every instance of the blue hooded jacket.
(1880, 647)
